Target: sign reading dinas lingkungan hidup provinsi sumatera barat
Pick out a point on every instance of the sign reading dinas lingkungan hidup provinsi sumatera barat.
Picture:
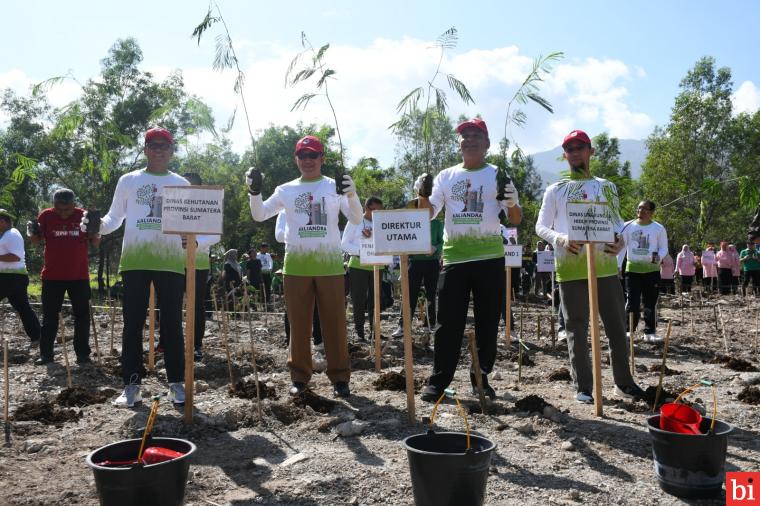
(590, 222)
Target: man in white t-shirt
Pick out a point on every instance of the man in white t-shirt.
(646, 244)
(473, 255)
(14, 278)
(313, 266)
(266, 270)
(572, 271)
(149, 256)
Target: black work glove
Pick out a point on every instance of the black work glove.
(254, 180)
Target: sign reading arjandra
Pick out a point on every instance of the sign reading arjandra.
(401, 232)
(590, 222)
(192, 210)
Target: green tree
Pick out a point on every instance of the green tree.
(417, 153)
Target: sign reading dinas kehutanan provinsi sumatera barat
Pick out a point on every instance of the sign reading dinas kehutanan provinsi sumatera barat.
(401, 232)
(590, 222)
(192, 210)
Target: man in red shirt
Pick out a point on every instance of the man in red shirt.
(65, 270)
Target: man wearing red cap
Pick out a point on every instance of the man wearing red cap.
(473, 254)
(571, 270)
(313, 267)
(147, 255)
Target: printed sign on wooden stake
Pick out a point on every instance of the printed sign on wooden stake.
(192, 210)
(401, 232)
(545, 261)
(512, 255)
(367, 253)
(590, 222)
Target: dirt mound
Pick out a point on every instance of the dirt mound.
(531, 403)
(286, 413)
(668, 370)
(78, 396)
(750, 395)
(561, 374)
(316, 402)
(651, 392)
(735, 363)
(246, 389)
(45, 412)
(514, 356)
(395, 381)
(17, 357)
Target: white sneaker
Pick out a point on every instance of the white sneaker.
(628, 335)
(129, 397)
(562, 336)
(652, 338)
(514, 337)
(177, 393)
(320, 347)
(399, 332)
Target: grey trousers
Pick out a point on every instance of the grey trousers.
(575, 308)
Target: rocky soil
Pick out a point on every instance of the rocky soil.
(316, 449)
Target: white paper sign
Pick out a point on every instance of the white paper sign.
(590, 222)
(545, 261)
(192, 210)
(367, 254)
(512, 255)
(401, 232)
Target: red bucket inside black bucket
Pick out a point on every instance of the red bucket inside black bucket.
(162, 483)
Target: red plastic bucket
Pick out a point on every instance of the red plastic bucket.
(680, 418)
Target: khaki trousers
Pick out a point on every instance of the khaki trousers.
(300, 294)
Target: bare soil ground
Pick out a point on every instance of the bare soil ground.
(297, 456)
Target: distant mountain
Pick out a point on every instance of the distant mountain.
(550, 163)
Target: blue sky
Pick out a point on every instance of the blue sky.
(623, 60)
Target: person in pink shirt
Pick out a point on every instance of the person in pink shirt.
(685, 263)
(725, 262)
(667, 269)
(709, 268)
(735, 269)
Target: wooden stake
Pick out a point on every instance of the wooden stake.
(476, 369)
(112, 351)
(7, 392)
(631, 332)
(190, 329)
(407, 319)
(266, 309)
(538, 326)
(520, 346)
(95, 333)
(152, 328)
(508, 317)
(596, 349)
(715, 314)
(662, 366)
(723, 330)
(65, 351)
(229, 357)
(253, 350)
(554, 331)
(376, 315)
(234, 313)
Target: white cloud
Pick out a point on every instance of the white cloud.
(746, 98)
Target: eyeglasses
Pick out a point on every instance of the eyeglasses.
(643, 208)
(160, 146)
(573, 149)
(311, 155)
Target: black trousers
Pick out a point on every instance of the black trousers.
(667, 286)
(423, 273)
(52, 300)
(686, 282)
(169, 289)
(455, 284)
(642, 287)
(266, 280)
(755, 277)
(725, 278)
(202, 290)
(362, 297)
(14, 287)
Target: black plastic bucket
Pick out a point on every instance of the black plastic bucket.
(444, 472)
(690, 465)
(156, 484)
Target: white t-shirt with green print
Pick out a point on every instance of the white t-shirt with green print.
(552, 223)
(12, 242)
(471, 225)
(640, 242)
(312, 237)
(137, 202)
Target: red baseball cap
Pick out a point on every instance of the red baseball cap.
(473, 123)
(310, 143)
(157, 132)
(576, 135)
